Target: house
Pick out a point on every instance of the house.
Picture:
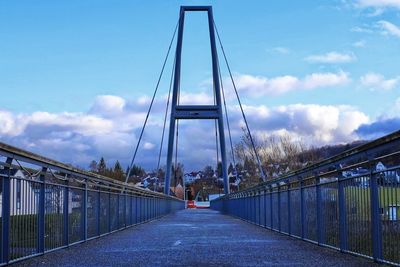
(24, 196)
(149, 182)
(191, 177)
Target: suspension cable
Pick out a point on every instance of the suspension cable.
(151, 104)
(165, 116)
(216, 132)
(240, 104)
(176, 141)
(227, 121)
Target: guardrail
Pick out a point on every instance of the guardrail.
(350, 202)
(47, 205)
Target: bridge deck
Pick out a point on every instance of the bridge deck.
(196, 238)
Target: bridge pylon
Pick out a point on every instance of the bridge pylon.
(195, 112)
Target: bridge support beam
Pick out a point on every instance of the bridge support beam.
(196, 112)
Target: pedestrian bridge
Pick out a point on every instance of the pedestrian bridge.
(349, 203)
(67, 216)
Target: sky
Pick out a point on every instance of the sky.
(76, 77)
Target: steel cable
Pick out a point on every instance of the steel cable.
(151, 104)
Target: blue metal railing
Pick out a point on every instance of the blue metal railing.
(46, 205)
(350, 202)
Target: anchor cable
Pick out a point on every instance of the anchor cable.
(151, 104)
(165, 116)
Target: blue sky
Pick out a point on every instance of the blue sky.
(75, 76)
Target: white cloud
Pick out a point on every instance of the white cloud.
(281, 50)
(148, 146)
(106, 104)
(258, 85)
(359, 44)
(376, 81)
(389, 28)
(318, 124)
(378, 4)
(331, 57)
(201, 98)
(363, 29)
(375, 8)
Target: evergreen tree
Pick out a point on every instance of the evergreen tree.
(102, 167)
(219, 169)
(208, 172)
(230, 168)
(118, 173)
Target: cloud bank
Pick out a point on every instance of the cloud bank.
(259, 85)
(111, 126)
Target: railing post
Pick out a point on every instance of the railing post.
(279, 207)
(130, 209)
(109, 211)
(98, 213)
(302, 208)
(41, 211)
(6, 207)
(342, 212)
(271, 207)
(375, 217)
(66, 214)
(265, 207)
(320, 234)
(289, 208)
(85, 213)
(118, 197)
(259, 207)
(125, 210)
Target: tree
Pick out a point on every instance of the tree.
(137, 171)
(219, 169)
(177, 174)
(118, 173)
(231, 169)
(102, 167)
(208, 172)
(93, 166)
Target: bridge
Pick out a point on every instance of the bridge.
(341, 211)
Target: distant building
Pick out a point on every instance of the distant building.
(191, 177)
(24, 196)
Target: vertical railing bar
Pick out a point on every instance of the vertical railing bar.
(85, 213)
(271, 207)
(109, 211)
(41, 215)
(302, 210)
(5, 251)
(265, 207)
(289, 208)
(319, 208)
(375, 216)
(66, 214)
(279, 207)
(118, 212)
(98, 209)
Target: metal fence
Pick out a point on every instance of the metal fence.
(350, 202)
(46, 205)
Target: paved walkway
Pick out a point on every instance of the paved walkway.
(196, 238)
